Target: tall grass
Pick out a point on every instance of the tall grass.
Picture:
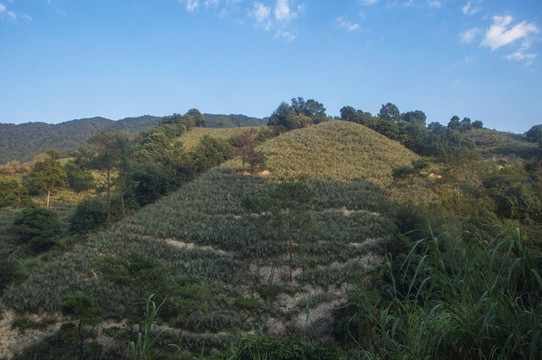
(483, 302)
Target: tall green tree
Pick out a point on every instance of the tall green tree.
(105, 154)
(416, 116)
(199, 120)
(46, 177)
(310, 108)
(454, 123)
(389, 112)
(283, 118)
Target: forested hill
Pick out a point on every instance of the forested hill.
(23, 142)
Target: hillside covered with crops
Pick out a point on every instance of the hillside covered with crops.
(331, 241)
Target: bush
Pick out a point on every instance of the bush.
(38, 226)
(89, 216)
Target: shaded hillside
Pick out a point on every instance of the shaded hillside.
(236, 267)
(23, 142)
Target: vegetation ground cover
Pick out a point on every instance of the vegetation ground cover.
(329, 243)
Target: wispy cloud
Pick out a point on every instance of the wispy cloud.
(521, 56)
(211, 3)
(286, 35)
(434, 3)
(191, 5)
(276, 16)
(261, 14)
(468, 36)
(9, 14)
(469, 9)
(341, 23)
(500, 34)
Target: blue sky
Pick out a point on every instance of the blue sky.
(66, 59)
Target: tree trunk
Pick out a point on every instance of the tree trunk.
(290, 261)
(81, 348)
(47, 199)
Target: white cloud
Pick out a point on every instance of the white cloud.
(468, 36)
(2, 8)
(434, 3)
(347, 25)
(499, 34)
(262, 14)
(283, 11)
(12, 15)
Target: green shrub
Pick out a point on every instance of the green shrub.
(89, 216)
(38, 226)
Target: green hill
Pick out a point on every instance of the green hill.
(499, 145)
(230, 266)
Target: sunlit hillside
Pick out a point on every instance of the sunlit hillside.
(335, 151)
(192, 138)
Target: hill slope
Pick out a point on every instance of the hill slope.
(233, 268)
(498, 145)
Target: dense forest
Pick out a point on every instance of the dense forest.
(311, 237)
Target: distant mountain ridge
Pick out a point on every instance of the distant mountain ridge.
(24, 141)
